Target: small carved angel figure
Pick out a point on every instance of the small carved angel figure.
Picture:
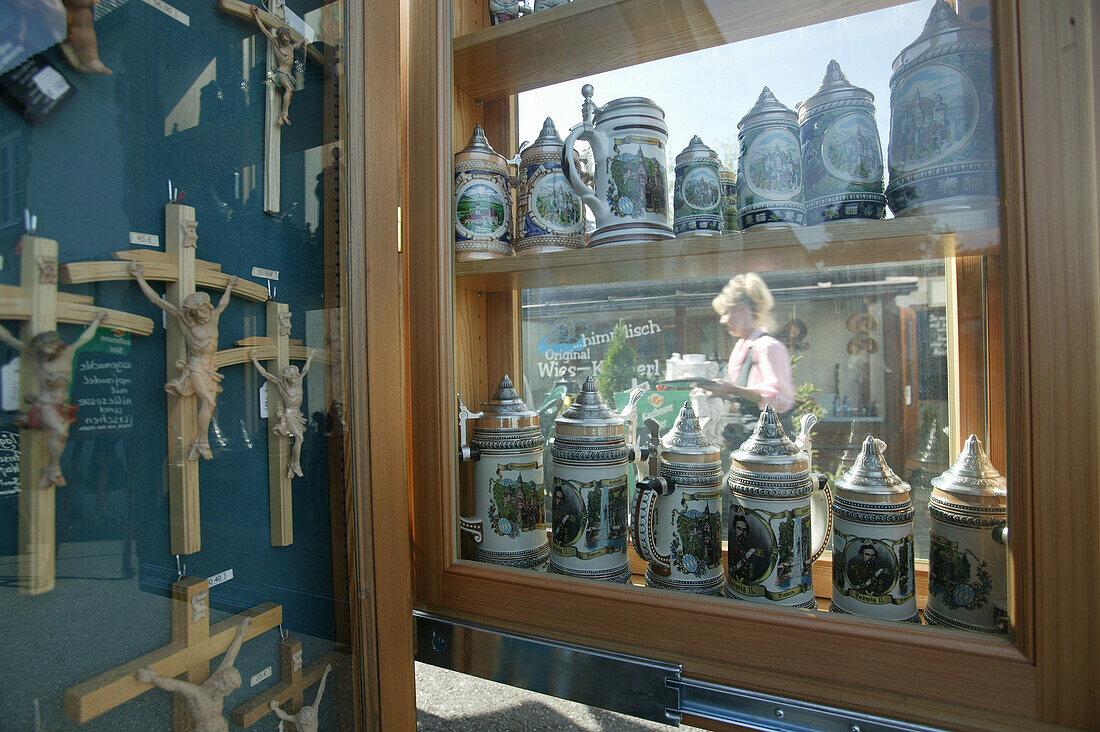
(306, 718)
(52, 361)
(205, 700)
(291, 422)
(281, 76)
(80, 47)
(198, 320)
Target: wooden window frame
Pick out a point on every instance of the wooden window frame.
(1045, 55)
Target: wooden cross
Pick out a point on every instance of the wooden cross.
(183, 272)
(272, 129)
(37, 301)
(277, 346)
(195, 642)
(290, 691)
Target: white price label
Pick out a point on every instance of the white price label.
(51, 83)
(265, 674)
(220, 577)
(144, 240)
(9, 385)
(170, 11)
(263, 401)
(267, 274)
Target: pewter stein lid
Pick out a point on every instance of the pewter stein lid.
(725, 174)
(767, 107)
(588, 415)
(972, 474)
(506, 408)
(942, 28)
(687, 443)
(834, 87)
(618, 107)
(548, 141)
(479, 148)
(768, 448)
(870, 475)
(696, 150)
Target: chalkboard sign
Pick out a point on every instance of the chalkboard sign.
(932, 353)
(101, 384)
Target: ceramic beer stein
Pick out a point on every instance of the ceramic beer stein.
(628, 138)
(549, 215)
(841, 152)
(697, 194)
(729, 199)
(589, 503)
(676, 523)
(967, 571)
(943, 145)
(482, 201)
(547, 4)
(508, 525)
(769, 168)
(873, 540)
(772, 545)
(501, 11)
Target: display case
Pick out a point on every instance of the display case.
(188, 520)
(980, 312)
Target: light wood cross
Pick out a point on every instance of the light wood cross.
(183, 272)
(195, 642)
(38, 302)
(276, 346)
(290, 691)
(274, 103)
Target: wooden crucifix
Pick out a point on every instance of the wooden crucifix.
(284, 401)
(282, 43)
(195, 642)
(288, 695)
(190, 347)
(46, 411)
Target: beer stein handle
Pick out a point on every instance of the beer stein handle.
(823, 486)
(643, 529)
(472, 526)
(599, 142)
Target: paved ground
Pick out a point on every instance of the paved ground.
(447, 700)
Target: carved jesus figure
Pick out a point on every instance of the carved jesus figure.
(52, 361)
(198, 320)
(205, 700)
(306, 718)
(291, 422)
(282, 75)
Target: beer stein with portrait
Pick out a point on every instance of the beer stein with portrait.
(773, 542)
(873, 573)
(676, 521)
(589, 495)
(967, 574)
(508, 525)
(628, 138)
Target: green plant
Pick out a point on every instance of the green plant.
(804, 401)
(619, 365)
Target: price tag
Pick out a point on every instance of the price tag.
(267, 274)
(51, 83)
(9, 385)
(263, 401)
(144, 240)
(170, 11)
(265, 674)
(220, 577)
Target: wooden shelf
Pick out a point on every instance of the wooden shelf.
(904, 239)
(592, 36)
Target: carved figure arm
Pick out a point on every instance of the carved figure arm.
(259, 21)
(89, 332)
(136, 270)
(148, 676)
(226, 296)
(321, 688)
(235, 646)
(309, 358)
(259, 367)
(7, 337)
(274, 706)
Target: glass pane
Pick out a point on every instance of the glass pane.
(172, 470)
(795, 224)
